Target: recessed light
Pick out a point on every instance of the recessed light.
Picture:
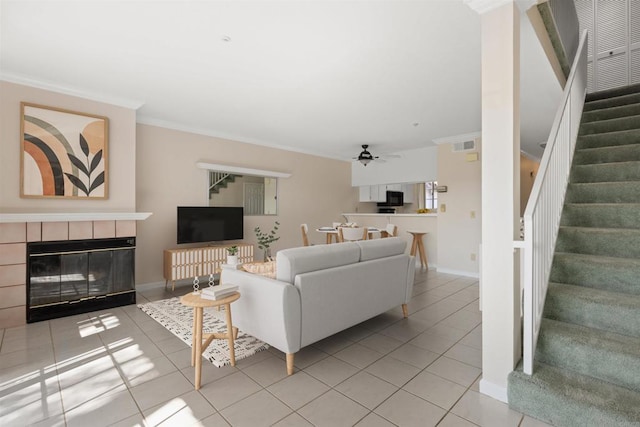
(226, 39)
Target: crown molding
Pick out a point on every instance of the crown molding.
(484, 6)
(168, 124)
(457, 138)
(64, 90)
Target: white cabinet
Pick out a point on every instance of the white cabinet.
(372, 193)
(409, 193)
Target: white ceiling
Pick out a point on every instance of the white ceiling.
(320, 77)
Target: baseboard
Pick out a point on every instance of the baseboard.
(148, 286)
(493, 390)
(459, 272)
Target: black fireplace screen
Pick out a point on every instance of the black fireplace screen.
(70, 277)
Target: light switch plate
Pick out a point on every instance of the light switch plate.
(443, 208)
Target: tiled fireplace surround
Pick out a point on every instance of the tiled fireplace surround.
(14, 237)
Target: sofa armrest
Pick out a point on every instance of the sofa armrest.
(268, 309)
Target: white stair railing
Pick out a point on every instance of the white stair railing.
(544, 208)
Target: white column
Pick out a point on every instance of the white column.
(500, 193)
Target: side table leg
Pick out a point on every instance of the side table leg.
(198, 346)
(230, 334)
(193, 336)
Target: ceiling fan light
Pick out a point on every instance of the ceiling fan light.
(364, 160)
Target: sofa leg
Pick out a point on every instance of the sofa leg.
(405, 311)
(289, 363)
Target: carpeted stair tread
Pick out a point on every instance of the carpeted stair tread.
(611, 113)
(601, 215)
(617, 101)
(594, 308)
(611, 125)
(612, 93)
(599, 272)
(604, 192)
(600, 354)
(609, 139)
(606, 172)
(566, 399)
(618, 153)
(612, 242)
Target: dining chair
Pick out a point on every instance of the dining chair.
(351, 234)
(305, 234)
(390, 231)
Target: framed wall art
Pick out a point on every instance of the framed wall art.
(63, 153)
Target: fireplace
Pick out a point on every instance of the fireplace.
(78, 276)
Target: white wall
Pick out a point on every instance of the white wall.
(460, 225)
(418, 165)
(317, 192)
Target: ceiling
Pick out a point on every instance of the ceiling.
(321, 77)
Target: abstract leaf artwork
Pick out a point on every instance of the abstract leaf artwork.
(64, 153)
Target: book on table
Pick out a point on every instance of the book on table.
(218, 292)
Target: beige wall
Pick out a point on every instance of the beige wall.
(121, 152)
(317, 192)
(459, 235)
(528, 173)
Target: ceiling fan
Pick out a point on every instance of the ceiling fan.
(365, 156)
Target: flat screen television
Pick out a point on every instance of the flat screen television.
(209, 224)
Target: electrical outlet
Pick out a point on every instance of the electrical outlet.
(473, 257)
(473, 214)
(443, 208)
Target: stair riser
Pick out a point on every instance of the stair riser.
(609, 172)
(562, 408)
(612, 243)
(613, 93)
(613, 125)
(624, 153)
(619, 192)
(580, 356)
(609, 139)
(606, 316)
(601, 216)
(621, 277)
(611, 113)
(612, 102)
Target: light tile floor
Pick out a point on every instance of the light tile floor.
(120, 367)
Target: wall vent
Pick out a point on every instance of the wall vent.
(464, 146)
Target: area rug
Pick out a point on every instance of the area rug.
(178, 319)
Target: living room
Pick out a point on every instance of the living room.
(152, 169)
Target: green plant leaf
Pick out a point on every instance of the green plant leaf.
(76, 181)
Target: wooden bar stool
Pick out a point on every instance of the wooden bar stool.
(419, 245)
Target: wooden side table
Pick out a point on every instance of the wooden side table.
(419, 245)
(201, 340)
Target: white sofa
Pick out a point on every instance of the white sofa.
(320, 290)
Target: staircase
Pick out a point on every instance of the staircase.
(587, 361)
(220, 180)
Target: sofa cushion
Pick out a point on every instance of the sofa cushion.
(294, 261)
(381, 248)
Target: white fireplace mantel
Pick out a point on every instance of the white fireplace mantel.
(73, 216)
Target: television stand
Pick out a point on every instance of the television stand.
(182, 264)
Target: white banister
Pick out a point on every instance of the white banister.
(544, 208)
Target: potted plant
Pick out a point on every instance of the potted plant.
(232, 255)
(266, 239)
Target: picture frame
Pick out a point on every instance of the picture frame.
(63, 153)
